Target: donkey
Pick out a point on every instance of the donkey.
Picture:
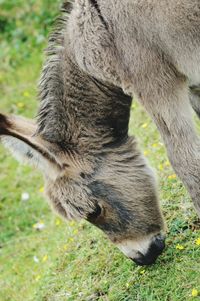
(101, 55)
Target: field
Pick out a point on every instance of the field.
(68, 261)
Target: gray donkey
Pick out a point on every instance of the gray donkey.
(102, 53)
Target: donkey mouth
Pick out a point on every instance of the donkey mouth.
(156, 248)
(143, 261)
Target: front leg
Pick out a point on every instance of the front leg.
(170, 109)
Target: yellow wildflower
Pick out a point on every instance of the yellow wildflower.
(167, 163)
(65, 247)
(142, 272)
(26, 94)
(160, 166)
(171, 177)
(71, 239)
(37, 278)
(72, 223)
(198, 241)
(41, 189)
(146, 153)
(45, 257)
(75, 232)
(195, 292)
(180, 247)
(155, 145)
(20, 105)
(58, 222)
(145, 125)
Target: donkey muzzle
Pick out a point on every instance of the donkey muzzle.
(155, 249)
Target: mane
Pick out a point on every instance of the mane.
(56, 37)
(77, 111)
(50, 68)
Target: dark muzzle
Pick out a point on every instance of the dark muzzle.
(155, 249)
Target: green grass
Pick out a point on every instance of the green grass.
(76, 261)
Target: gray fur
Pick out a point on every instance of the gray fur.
(101, 55)
(150, 49)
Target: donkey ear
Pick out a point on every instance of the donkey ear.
(18, 135)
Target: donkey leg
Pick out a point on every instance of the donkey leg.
(170, 109)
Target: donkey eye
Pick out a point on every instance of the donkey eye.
(95, 214)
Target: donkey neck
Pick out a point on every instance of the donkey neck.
(78, 111)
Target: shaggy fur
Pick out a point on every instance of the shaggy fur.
(101, 54)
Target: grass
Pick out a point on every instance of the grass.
(74, 261)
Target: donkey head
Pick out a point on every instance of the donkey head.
(114, 190)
